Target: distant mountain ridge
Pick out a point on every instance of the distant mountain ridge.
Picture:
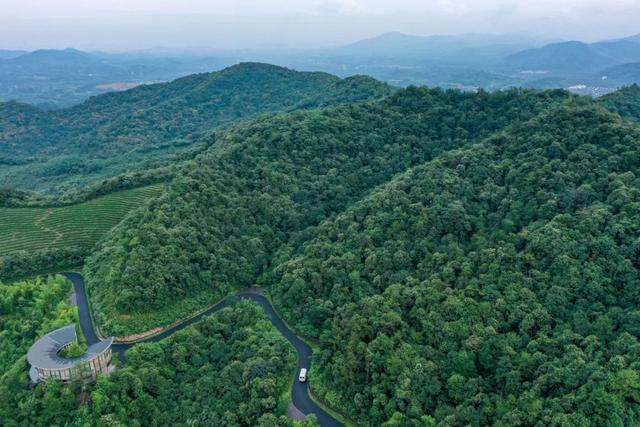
(472, 61)
(57, 79)
(401, 45)
(51, 62)
(9, 53)
(66, 55)
(575, 56)
(633, 38)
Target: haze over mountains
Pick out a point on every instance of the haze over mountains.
(60, 78)
(52, 78)
(575, 56)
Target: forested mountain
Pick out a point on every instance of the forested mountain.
(19, 121)
(222, 219)
(495, 285)
(463, 259)
(141, 127)
(625, 102)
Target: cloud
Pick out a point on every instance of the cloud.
(341, 7)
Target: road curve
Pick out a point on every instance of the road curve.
(299, 392)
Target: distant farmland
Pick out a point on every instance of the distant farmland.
(75, 225)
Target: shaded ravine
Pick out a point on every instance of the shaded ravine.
(299, 391)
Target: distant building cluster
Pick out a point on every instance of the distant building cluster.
(46, 362)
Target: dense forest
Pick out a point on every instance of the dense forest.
(26, 263)
(232, 369)
(496, 285)
(145, 126)
(625, 102)
(462, 258)
(28, 310)
(14, 198)
(225, 215)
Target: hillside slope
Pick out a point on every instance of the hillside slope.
(625, 102)
(141, 127)
(222, 219)
(495, 285)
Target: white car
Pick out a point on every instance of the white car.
(303, 375)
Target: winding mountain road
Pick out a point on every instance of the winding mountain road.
(299, 392)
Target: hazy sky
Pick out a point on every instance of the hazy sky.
(135, 24)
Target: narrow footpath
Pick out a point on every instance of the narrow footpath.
(299, 392)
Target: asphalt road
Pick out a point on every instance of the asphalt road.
(299, 393)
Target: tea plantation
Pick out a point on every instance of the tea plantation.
(75, 225)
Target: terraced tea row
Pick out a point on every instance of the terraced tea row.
(76, 225)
